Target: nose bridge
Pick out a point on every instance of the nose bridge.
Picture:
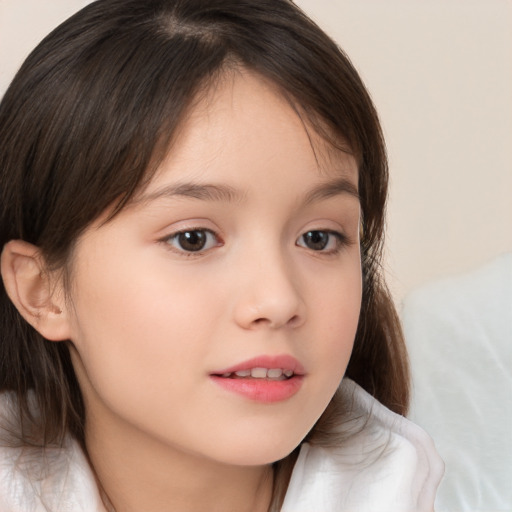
(270, 292)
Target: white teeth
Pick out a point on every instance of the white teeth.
(258, 373)
(261, 373)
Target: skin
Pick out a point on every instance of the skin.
(149, 322)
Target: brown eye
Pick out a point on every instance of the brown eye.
(193, 240)
(318, 240)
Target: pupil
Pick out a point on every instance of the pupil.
(192, 240)
(316, 240)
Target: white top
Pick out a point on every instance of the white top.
(387, 464)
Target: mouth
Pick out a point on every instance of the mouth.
(275, 374)
(263, 379)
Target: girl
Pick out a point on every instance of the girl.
(192, 210)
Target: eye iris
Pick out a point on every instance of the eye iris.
(192, 240)
(316, 240)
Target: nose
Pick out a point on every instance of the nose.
(268, 296)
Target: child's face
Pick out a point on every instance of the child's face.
(157, 317)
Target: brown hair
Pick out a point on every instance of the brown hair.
(95, 106)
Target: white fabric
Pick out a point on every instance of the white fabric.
(58, 480)
(459, 334)
(386, 465)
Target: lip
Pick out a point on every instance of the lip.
(262, 390)
(284, 361)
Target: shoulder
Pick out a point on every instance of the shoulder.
(34, 479)
(385, 464)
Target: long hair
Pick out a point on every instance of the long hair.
(91, 113)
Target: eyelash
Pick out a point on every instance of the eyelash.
(340, 241)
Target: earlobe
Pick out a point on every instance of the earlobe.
(37, 295)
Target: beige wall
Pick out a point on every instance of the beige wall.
(440, 73)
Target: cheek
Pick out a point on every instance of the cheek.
(346, 319)
(337, 340)
(138, 332)
(335, 309)
(337, 305)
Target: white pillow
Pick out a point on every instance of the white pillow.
(459, 334)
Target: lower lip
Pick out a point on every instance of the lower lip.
(261, 390)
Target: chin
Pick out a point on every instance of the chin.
(260, 453)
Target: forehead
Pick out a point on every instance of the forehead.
(243, 126)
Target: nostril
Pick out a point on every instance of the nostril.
(291, 322)
(261, 321)
(294, 321)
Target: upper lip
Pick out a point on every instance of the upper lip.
(284, 361)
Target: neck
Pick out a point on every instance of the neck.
(137, 473)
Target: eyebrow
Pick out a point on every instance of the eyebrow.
(220, 192)
(205, 192)
(330, 189)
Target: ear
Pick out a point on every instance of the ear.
(38, 295)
